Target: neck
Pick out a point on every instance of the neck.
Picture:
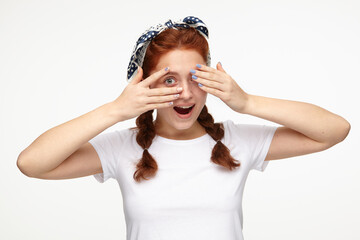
(195, 131)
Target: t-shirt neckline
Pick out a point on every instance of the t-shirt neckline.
(180, 142)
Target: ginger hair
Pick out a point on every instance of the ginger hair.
(171, 39)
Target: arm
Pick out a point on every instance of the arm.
(307, 128)
(64, 151)
(55, 145)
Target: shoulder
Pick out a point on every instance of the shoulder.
(242, 131)
(116, 136)
(230, 126)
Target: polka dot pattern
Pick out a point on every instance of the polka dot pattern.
(138, 54)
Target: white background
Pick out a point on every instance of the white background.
(62, 59)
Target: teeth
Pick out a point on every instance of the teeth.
(185, 107)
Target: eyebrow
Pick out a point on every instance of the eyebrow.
(173, 72)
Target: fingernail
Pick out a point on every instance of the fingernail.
(167, 68)
(220, 63)
(171, 103)
(192, 71)
(179, 89)
(198, 65)
(176, 95)
(194, 77)
(200, 85)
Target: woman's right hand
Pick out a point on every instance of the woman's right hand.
(138, 97)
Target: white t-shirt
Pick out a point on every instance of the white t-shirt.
(190, 197)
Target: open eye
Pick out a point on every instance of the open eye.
(169, 81)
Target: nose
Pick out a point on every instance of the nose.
(186, 93)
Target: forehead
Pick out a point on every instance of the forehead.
(179, 60)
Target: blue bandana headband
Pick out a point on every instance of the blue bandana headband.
(137, 57)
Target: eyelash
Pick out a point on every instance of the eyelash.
(168, 79)
(175, 81)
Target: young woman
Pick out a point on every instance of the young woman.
(181, 176)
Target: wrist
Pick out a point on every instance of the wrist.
(114, 112)
(248, 104)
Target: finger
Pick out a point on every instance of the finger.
(159, 105)
(212, 91)
(220, 67)
(163, 91)
(210, 83)
(138, 76)
(161, 99)
(207, 75)
(155, 76)
(203, 67)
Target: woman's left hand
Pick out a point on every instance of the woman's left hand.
(220, 84)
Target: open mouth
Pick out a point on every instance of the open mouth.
(184, 110)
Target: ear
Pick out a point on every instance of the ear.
(138, 77)
(219, 67)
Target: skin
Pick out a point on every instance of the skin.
(296, 136)
(167, 123)
(64, 152)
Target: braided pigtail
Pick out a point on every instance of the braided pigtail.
(220, 153)
(147, 165)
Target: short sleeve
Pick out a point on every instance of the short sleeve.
(107, 145)
(260, 146)
(252, 139)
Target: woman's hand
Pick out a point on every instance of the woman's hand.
(306, 128)
(222, 85)
(138, 98)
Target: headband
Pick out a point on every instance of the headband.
(138, 54)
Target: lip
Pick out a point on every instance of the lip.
(184, 116)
